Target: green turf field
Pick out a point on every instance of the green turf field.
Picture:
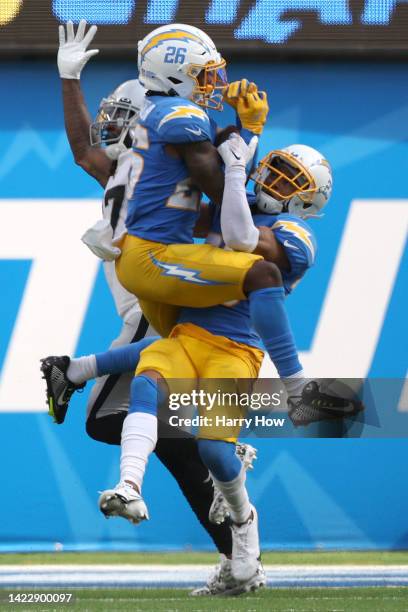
(269, 558)
(268, 600)
(356, 599)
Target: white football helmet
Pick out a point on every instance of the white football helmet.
(115, 113)
(182, 60)
(297, 180)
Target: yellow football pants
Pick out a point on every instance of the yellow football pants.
(194, 355)
(165, 277)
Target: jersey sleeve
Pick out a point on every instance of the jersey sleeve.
(213, 129)
(299, 244)
(184, 122)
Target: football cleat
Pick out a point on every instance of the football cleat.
(245, 548)
(123, 501)
(222, 582)
(219, 510)
(313, 406)
(59, 387)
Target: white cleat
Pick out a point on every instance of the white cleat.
(245, 548)
(247, 454)
(219, 510)
(124, 501)
(222, 582)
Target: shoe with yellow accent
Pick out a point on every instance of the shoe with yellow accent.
(313, 405)
(59, 387)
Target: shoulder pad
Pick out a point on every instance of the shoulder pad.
(183, 121)
(297, 238)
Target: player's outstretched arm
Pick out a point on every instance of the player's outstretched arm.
(77, 123)
(237, 226)
(72, 57)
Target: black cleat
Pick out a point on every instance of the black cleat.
(59, 387)
(313, 406)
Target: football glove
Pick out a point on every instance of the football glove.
(250, 104)
(238, 89)
(313, 406)
(236, 153)
(252, 111)
(72, 53)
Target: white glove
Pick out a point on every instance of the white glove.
(235, 152)
(72, 52)
(98, 238)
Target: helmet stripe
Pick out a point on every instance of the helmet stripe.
(158, 39)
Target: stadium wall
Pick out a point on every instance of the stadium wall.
(310, 493)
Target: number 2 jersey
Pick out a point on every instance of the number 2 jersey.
(233, 321)
(163, 206)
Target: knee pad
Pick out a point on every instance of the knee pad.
(143, 395)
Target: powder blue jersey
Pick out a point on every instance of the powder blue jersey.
(233, 321)
(164, 206)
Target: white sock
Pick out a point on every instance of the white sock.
(82, 369)
(295, 383)
(236, 496)
(139, 438)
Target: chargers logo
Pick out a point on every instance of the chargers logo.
(184, 112)
(300, 232)
(181, 272)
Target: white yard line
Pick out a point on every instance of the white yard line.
(133, 576)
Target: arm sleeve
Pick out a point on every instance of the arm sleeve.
(247, 136)
(237, 226)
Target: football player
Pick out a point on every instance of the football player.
(219, 342)
(110, 161)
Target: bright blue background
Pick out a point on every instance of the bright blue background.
(310, 493)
